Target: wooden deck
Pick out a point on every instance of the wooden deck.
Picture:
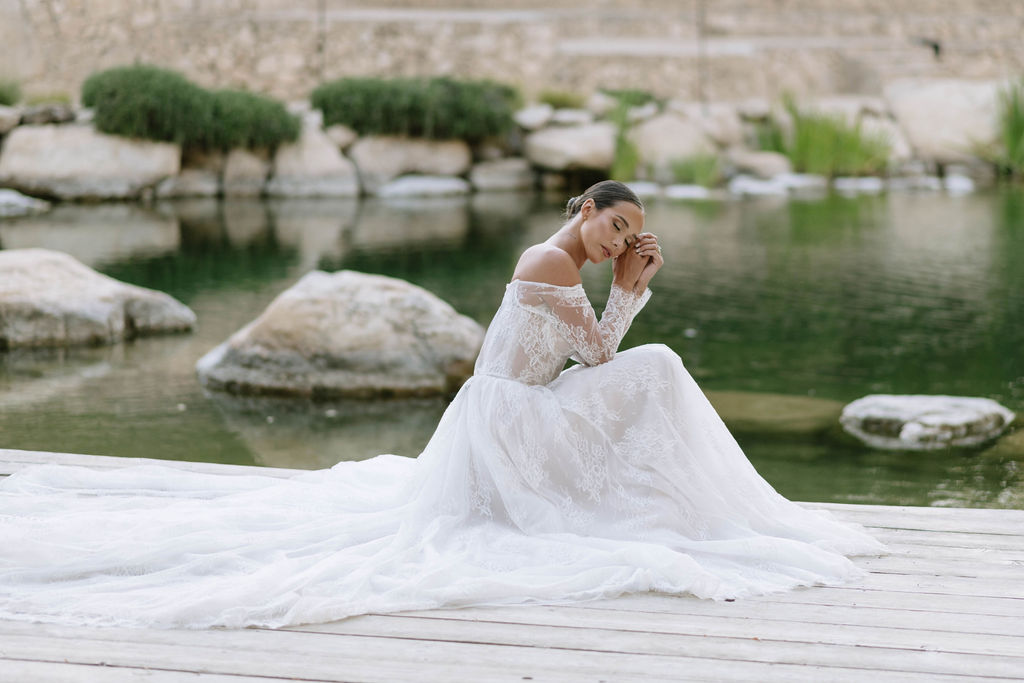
(946, 605)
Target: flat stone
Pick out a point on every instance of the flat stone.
(957, 184)
(47, 298)
(382, 158)
(347, 334)
(424, 186)
(312, 166)
(502, 174)
(645, 190)
(13, 203)
(745, 185)
(763, 165)
(572, 117)
(684, 191)
(76, 162)
(776, 415)
(573, 147)
(534, 117)
(853, 186)
(924, 422)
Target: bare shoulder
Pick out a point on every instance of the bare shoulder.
(547, 263)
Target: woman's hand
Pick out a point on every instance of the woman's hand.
(646, 246)
(627, 267)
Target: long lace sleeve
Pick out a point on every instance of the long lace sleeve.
(594, 342)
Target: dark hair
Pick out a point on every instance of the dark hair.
(605, 193)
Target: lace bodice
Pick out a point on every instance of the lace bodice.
(539, 326)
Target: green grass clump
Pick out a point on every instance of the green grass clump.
(1010, 159)
(244, 119)
(631, 97)
(702, 169)
(49, 98)
(436, 108)
(561, 99)
(10, 92)
(151, 103)
(827, 145)
(627, 156)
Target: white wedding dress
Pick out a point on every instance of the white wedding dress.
(539, 486)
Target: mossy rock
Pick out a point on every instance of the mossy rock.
(776, 415)
(1009, 446)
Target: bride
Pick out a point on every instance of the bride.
(540, 485)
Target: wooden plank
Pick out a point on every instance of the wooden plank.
(969, 556)
(317, 655)
(383, 660)
(1009, 522)
(636, 616)
(647, 633)
(21, 671)
(949, 539)
(1007, 570)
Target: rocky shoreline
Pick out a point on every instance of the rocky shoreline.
(935, 129)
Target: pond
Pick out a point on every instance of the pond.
(830, 297)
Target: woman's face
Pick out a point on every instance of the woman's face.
(610, 231)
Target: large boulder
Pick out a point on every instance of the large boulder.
(382, 158)
(573, 147)
(667, 138)
(76, 162)
(47, 298)
(945, 120)
(9, 118)
(513, 173)
(347, 334)
(924, 422)
(312, 166)
(245, 173)
(720, 122)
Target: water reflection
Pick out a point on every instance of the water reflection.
(836, 297)
(95, 234)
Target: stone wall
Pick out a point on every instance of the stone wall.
(749, 47)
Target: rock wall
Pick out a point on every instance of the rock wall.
(749, 47)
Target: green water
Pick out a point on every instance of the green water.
(834, 298)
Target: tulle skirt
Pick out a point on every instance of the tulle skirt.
(612, 479)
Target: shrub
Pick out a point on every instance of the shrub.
(561, 99)
(10, 92)
(702, 169)
(827, 145)
(437, 108)
(157, 104)
(1010, 159)
(244, 119)
(148, 102)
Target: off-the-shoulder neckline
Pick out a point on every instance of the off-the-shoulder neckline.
(546, 284)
